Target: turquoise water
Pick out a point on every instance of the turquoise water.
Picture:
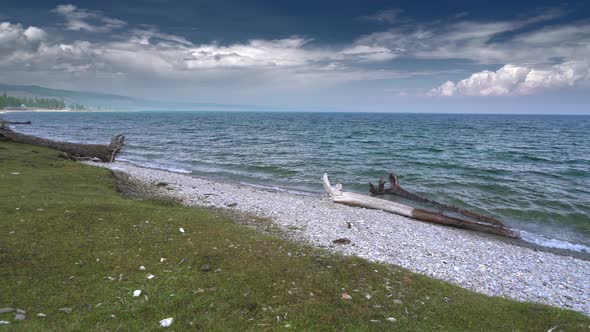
(533, 171)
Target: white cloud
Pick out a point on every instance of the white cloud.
(385, 16)
(92, 21)
(487, 42)
(369, 53)
(143, 54)
(447, 89)
(149, 53)
(15, 38)
(150, 35)
(285, 52)
(517, 80)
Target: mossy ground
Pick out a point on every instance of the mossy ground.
(68, 239)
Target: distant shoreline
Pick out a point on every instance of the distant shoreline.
(17, 109)
(43, 110)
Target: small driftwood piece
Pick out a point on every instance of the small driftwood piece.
(2, 122)
(354, 199)
(396, 189)
(72, 151)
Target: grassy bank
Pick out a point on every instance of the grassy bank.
(68, 240)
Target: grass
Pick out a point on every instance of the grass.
(67, 239)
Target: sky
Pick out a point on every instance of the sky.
(388, 56)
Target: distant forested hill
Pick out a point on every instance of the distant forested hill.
(93, 100)
(11, 101)
(88, 99)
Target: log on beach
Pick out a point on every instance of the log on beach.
(359, 200)
(396, 189)
(73, 151)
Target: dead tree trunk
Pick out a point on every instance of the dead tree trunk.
(354, 199)
(74, 151)
(14, 122)
(396, 189)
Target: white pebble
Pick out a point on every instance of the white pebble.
(166, 322)
(150, 276)
(142, 268)
(181, 230)
(136, 293)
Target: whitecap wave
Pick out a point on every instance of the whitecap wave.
(552, 243)
(275, 188)
(161, 167)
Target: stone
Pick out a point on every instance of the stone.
(41, 315)
(341, 240)
(20, 311)
(4, 322)
(166, 322)
(205, 268)
(19, 317)
(392, 319)
(6, 310)
(346, 296)
(67, 310)
(136, 293)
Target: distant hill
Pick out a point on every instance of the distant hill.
(90, 99)
(95, 100)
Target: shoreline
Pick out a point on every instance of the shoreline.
(583, 254)
(478, 262)
(63, 111)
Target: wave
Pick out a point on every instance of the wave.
(280, 189)
(552, 243)
(161, 167)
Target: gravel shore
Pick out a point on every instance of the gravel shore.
(474, 261)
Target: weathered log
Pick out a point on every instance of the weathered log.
(396, 189)
(354, 199)
(75, 151)
(2, 122)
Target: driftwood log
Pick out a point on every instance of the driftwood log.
(73, 151)
(396, 189)
(354, 199)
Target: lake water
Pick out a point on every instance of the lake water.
(532, 171)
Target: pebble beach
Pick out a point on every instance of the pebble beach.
(474, 261)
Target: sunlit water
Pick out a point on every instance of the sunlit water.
(533, 171)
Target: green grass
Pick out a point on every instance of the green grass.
(64, 231)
